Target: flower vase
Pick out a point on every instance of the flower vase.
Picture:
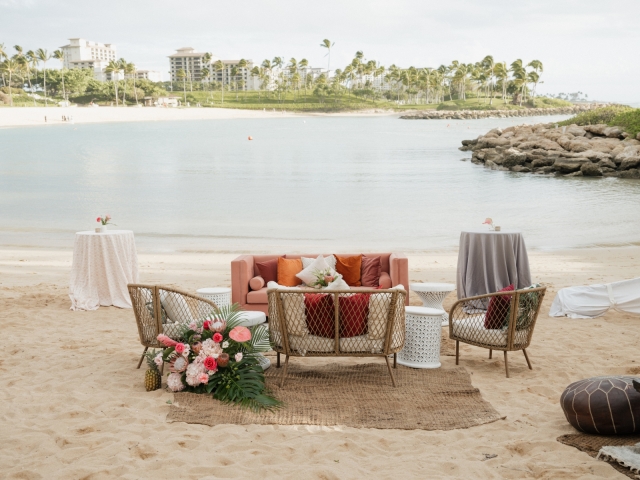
(103, 228)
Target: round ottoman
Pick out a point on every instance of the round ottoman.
(221, 296)
(432, 295)
(251, 319)
(422, 338)
(603, 405)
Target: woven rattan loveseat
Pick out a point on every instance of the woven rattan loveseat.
(507, 324)
(160, 309)
(304, 322)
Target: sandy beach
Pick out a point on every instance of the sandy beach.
(74, 405)
(32, 116)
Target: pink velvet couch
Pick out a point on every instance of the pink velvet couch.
(395, 271)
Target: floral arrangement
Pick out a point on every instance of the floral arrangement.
(489, 221)
(324, 278)
(216, 355)
(106, 220)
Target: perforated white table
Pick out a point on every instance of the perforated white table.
(221, 296)
(432, 295)
(423, 338)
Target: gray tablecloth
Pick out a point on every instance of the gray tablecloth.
(489, 261)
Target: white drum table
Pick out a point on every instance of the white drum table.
(103, 264)
(221, 296)
(251, 319)
(433, 294)
(423, 337)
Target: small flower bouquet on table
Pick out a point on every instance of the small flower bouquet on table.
(104, 221)
(215, 356)
(489, 221)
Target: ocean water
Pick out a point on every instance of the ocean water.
(303, 184)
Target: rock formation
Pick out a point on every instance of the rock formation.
(590, 151)
(475, 114)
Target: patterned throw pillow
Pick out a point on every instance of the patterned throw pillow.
(498, 310)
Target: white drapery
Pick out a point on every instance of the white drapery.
(594, 300)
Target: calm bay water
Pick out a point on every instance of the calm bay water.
(314, 183)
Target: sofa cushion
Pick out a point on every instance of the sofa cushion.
(498, 310)
(320, 314)
(331, 261)
(256, 283)
(258, 296)
(350, 269)
(370, 271)
(473, 329)
(354, 310)
(385, 280)
(287, 270)
(268, 270)
(308, 275)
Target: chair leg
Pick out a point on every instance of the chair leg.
(457, 352)
(278, 361)
(506, 363)
(395, 360)
(524, 350)
(284, 371)
(142, 356)
(393, 380)
(162, 369)
(490, 354)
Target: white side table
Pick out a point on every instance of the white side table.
(251, 319)
(221, 296)
(423, 337)
(432, 295)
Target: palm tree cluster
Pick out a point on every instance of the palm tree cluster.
(22, 67)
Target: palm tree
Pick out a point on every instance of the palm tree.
(3, 54)
(113, 68)
(537, 70)
(10, 66)
(234, 75)
(489, 64)
(181, 74)
(219, 67)
(59, 55)
(328, 45)
(206, 75)
(43, 56)
(131, 70)
(242, 66)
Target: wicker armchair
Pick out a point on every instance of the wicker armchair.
(161, 309)
(506, 325)
(364, 323)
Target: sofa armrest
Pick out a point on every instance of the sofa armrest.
(241, 273)
(399, 272)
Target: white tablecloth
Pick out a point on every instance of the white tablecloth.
(103, 265)
(593, 300)
(490, 261)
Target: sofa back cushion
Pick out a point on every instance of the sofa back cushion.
(350, 268)
(287, 270)
(371, 270)
(267, 269)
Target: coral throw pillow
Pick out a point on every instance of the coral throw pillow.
(319, 309)
(370, 272)
(498, 310)
(268, 270)
(287, 270)
(350, 269)
(354, 311)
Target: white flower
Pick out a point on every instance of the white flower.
(216, 325)
(158, 360)
(194, 371)
(174, 382)
(193, 325)
(238, 356)
(225, 344)
(187, 349)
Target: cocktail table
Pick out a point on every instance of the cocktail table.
(432, 296)
(423, 338)
(221, 296)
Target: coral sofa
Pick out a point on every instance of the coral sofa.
(394, 267)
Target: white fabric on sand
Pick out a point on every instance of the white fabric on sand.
(103, 265)
(593, 300)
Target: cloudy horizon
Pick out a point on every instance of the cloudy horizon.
(584, 45)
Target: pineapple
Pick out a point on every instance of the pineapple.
(152, 377)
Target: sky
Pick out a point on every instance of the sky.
(586, 45)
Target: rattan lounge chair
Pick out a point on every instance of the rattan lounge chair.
(362, 323)
(161, 309)
(507, 325)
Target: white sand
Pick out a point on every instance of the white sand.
(74, 406)
(30, 116)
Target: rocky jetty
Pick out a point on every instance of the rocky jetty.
(475, 114)
(590, 150)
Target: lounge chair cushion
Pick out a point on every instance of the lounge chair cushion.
(354, 310)
(498, 310)
(176, 307)
(320, 314)
(473, 329)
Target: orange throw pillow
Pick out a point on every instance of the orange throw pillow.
(350, 269)
(287, 270)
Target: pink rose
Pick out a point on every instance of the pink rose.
(203, 378)
(180, 348)
(238, 356)
(328, 278)
(210, 363)
(98, 219)
(240, 334)
(108, 217)
(217, 337)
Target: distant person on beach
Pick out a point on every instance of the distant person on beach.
(45, 119)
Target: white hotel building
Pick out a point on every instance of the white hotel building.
(81, 53)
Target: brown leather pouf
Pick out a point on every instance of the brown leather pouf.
(603, 405)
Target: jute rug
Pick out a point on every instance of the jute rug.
(591, 444)
(359, 396)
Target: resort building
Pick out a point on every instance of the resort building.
(81, 53)
(190, 61)
(151, 75)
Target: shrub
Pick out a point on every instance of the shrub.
(628, 120)
(597, 116)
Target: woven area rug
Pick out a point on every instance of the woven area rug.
(592, 444)
(359, 396)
